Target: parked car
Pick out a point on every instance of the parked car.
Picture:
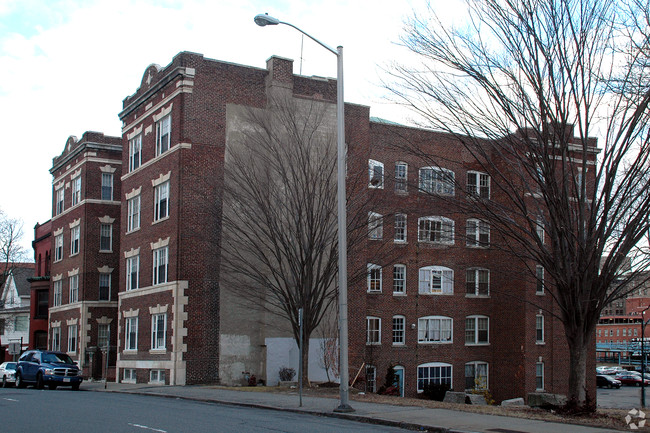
(8, 373)
(631, 379)
(40, 367)
(607, 381)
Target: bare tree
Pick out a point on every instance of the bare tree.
(329, 346)
(11, 233)
(279, 223)
(525, 86)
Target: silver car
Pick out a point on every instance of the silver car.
(8, 373)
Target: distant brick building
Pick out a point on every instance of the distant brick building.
(85, 248)
(439, 309)
(40, 286)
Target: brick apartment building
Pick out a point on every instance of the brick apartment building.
(85, 248)
(40, 286)
(452, 311)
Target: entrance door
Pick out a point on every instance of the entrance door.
(399, 375)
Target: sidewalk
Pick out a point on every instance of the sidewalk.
(433, 420)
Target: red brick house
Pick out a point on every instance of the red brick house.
(40, 286)
(85, 248)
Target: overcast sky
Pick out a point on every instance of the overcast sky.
(66, 66)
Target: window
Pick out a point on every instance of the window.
(435, 329)
(401, 176)
(158, 331)
(539, 329)
(434, 373)
(374, 278)
(435, 180)
(60, 197)
(56, 338)
(400, 227)
(160, 263)
(73, 295)
(163, 132)
(371, 378)
(476, 375)
(624, 332)
(132, 272)
(129, 375)
(21, 323)
(74, 240)
(539, 271)
(477, 330)
(399, 280)
(478, 184)
(161, 201)
(72, 338)
(539, 376)
(58, 248)
(373, 330)
(42, 304)
(398, 330)
(157, 376)
(478, 282)
(436, 280)
(135, 152)
(104, 286)
(539, 228)
(435, 229)
(375, 174)
(58, 290)
(107, 186)
(477, 233)
(76, 190)
(375, 225)
(133, 220)
(131, 333)
(106, 237)
(102, 335)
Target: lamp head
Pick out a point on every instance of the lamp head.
(264, 19)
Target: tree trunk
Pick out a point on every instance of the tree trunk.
(305, 361)
(578, 349)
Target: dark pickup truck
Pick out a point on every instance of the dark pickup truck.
(40, 367)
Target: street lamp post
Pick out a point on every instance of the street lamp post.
(344, 406)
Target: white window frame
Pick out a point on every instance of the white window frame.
(375, 278)
(75, 235)
(399, 279)
(375, 174)
(401, 176)
(539, 280)
(57, 293)
(107, 186)
(375, 226)
(371, 378)
(473, 282)
(478, 184)
(429, 276)
(130, 334)
(60, 201)
(133, 214)
(133, 268)
(436, 366)
(437, 180)
(157, 376)
(163, 134)
(473, 330)
(73, 292)
(373, 333)
(540, 229)
(158, 341)
(539, 376)
(58, 248)
(399, 330)
(435, 330)
(107, 278)
(539, 329)
(160, 260)
(479, 381)
(129, 375)
(103, 334)
(400, 228)
(161, 201)
(477, 233)
(106, 233)
(135, 152)
(56, 338)
(76, 190)
(72, 338)
(436, 230)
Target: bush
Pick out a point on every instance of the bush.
(287, 374)
(434, 391)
